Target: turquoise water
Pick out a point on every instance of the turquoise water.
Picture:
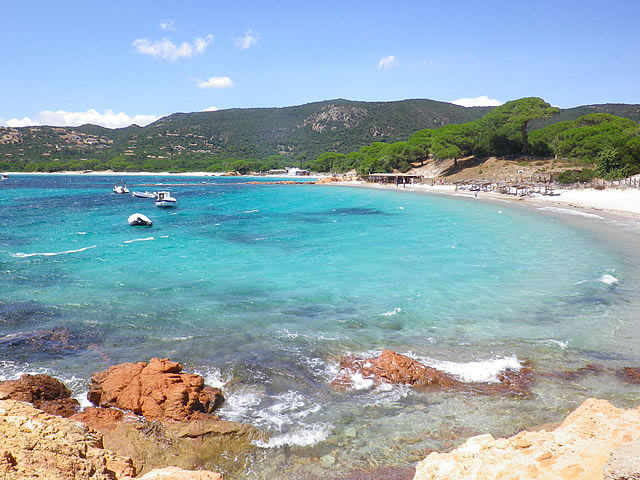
(264, 287)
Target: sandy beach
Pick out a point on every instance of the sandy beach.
(589, 201)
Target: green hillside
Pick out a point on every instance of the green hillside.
(242, 139)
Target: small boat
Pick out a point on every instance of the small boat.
(4, 177)
(120, 189)
(164, 199)
(139, 220)
(144, 194)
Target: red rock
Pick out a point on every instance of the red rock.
(158, 390)
(34, 388)
(392, 367)
(100, 419)
(62, 407)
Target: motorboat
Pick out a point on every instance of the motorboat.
(139, 220)
(144, 194)
(120, 189)
(4, 177)
(164, 199)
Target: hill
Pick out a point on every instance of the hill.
(218, 140)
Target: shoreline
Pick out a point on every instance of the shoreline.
(586, 203)
(109, 173)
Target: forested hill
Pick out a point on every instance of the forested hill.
(225, 139)
(202, 139)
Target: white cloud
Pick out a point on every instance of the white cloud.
(210, 109)
(62, 118)
(216, 82)
(20, 122)
(168, 25)
(387, 62)
(482, 101)
(247, 40)
(168, 50)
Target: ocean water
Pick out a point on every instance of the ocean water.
(262, 288)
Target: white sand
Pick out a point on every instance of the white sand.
(620, 201)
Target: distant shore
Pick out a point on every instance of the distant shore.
(110, 173)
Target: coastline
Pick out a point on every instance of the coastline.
(109, 173)
(587, 203)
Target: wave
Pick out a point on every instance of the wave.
(569, 211)
(304, 437)
(251, 211)
(395, 311)
(50, 254)
(481, 371)
(140, 240)
(609, 279)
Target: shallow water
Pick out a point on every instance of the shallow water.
(263, 288)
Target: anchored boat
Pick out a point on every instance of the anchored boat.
(164, 199)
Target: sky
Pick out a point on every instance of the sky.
(116, 62)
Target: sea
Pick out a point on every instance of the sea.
(262, 288)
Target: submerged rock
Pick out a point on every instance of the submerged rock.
(44, 392)
(578, 449)
(630, 374)
(158, 390)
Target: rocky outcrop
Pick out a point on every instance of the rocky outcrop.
(36, 445)
(158, 390)
(160, 416)
(579, 449)
(392, 367)
(45, 392)
(630, 374)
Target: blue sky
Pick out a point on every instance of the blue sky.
(114, 62)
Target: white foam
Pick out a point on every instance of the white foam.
(81, 233)
(146, 239)
(361, 383)
(482, 371)
(50, 254)
(568, 211)
(395, 311)
(609, 279)
(559, 343)
(83, 400)
(304, 437)
(251, 211)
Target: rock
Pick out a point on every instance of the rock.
(578, 449)
(203, 441)
(327, 460)
(63, 407)
(174, 473)
(384, 473)
(630, 374)
(36, 445)
(624, 463)
(100, 419)
(392, 367)
(158, 390)
(33, 388)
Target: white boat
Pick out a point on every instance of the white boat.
(120, 189)
(4, 177)
(139, 220)
(144, 194)
(164, 199)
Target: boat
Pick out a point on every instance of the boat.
(164, 199)
(139, 220)
(144, 194)
(120, 189)
(4, 177)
